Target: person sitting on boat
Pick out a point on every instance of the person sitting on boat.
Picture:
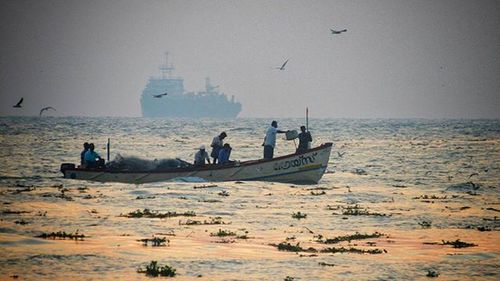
(216, 145)
(201, 156)
(270, 140)
(82, 155)
(92, 159)
(304, 140)
(224, 154)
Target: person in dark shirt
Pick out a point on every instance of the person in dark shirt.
(304, 139)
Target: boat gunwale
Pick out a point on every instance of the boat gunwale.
(204, 168)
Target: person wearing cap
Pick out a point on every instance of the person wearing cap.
(201, 156)
(304, 139)
(217, 144)
(224, 154)
(270, 140)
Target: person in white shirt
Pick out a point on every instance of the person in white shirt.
(200, 157)
(217, 144)
(270, 140)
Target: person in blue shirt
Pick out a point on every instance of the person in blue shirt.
(92, 159)
(82, 155)
(224, 154)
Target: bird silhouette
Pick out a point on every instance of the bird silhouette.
(46, 108)
(160, 95)
(337, 31)
(18, 104)
(283, 66)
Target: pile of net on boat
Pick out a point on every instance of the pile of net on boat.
(133, 163)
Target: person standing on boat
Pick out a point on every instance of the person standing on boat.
(224, 154)
(82, 155)
(217, 144)
(200, 157)
(270, 140)
(304, 139)
(92, 159)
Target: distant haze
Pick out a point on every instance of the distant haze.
(422, 58)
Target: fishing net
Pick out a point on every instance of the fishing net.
(133, 163)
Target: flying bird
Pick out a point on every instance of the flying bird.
(46, 108)
(18, 104)
(160, 95)
(283, 66)
(337, 31)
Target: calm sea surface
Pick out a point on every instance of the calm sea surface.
(419, 183)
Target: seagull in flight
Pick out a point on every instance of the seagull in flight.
(18, 104)
(46, 108)
(283, 66)
(337, 31)
(160, 95)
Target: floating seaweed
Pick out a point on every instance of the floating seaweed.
(287, 247)
(10, 212)
(223, 233)
(356, 210)
(223, 193)
(433, 197)
(146, 213)
(458, 244)
(22, 222)
(349, 238)
(318, 193)
(334, 250)
(155, 270)
(425, 224)
(144, 197)
(299, 215)
(483, 228)
(289, 278)
(61, 235)
(432, 273)
(212, 221)
(325, 264)
(204, 186)
(155, 241)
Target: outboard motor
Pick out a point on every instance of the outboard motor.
(67, 166)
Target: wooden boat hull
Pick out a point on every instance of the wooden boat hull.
(303, 168)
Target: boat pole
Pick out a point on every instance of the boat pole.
(107, 150)
(307, 119)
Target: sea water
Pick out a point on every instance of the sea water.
(417, 182)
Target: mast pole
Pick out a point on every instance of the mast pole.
(307, 119)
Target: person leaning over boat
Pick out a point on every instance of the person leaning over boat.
(82, 155)
(224, 154)
(216, 145)
(304, 139)
(200, 157)
(92, 159)
(270, 140)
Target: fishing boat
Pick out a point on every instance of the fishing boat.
(299, 168)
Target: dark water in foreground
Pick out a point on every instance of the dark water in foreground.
(418, 182)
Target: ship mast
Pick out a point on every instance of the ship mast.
(165, 69)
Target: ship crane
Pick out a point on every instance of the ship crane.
(166, 69)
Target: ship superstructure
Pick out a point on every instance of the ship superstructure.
(179, 103)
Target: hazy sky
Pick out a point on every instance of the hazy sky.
(400, 58)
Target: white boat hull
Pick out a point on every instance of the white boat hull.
(304, 168)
